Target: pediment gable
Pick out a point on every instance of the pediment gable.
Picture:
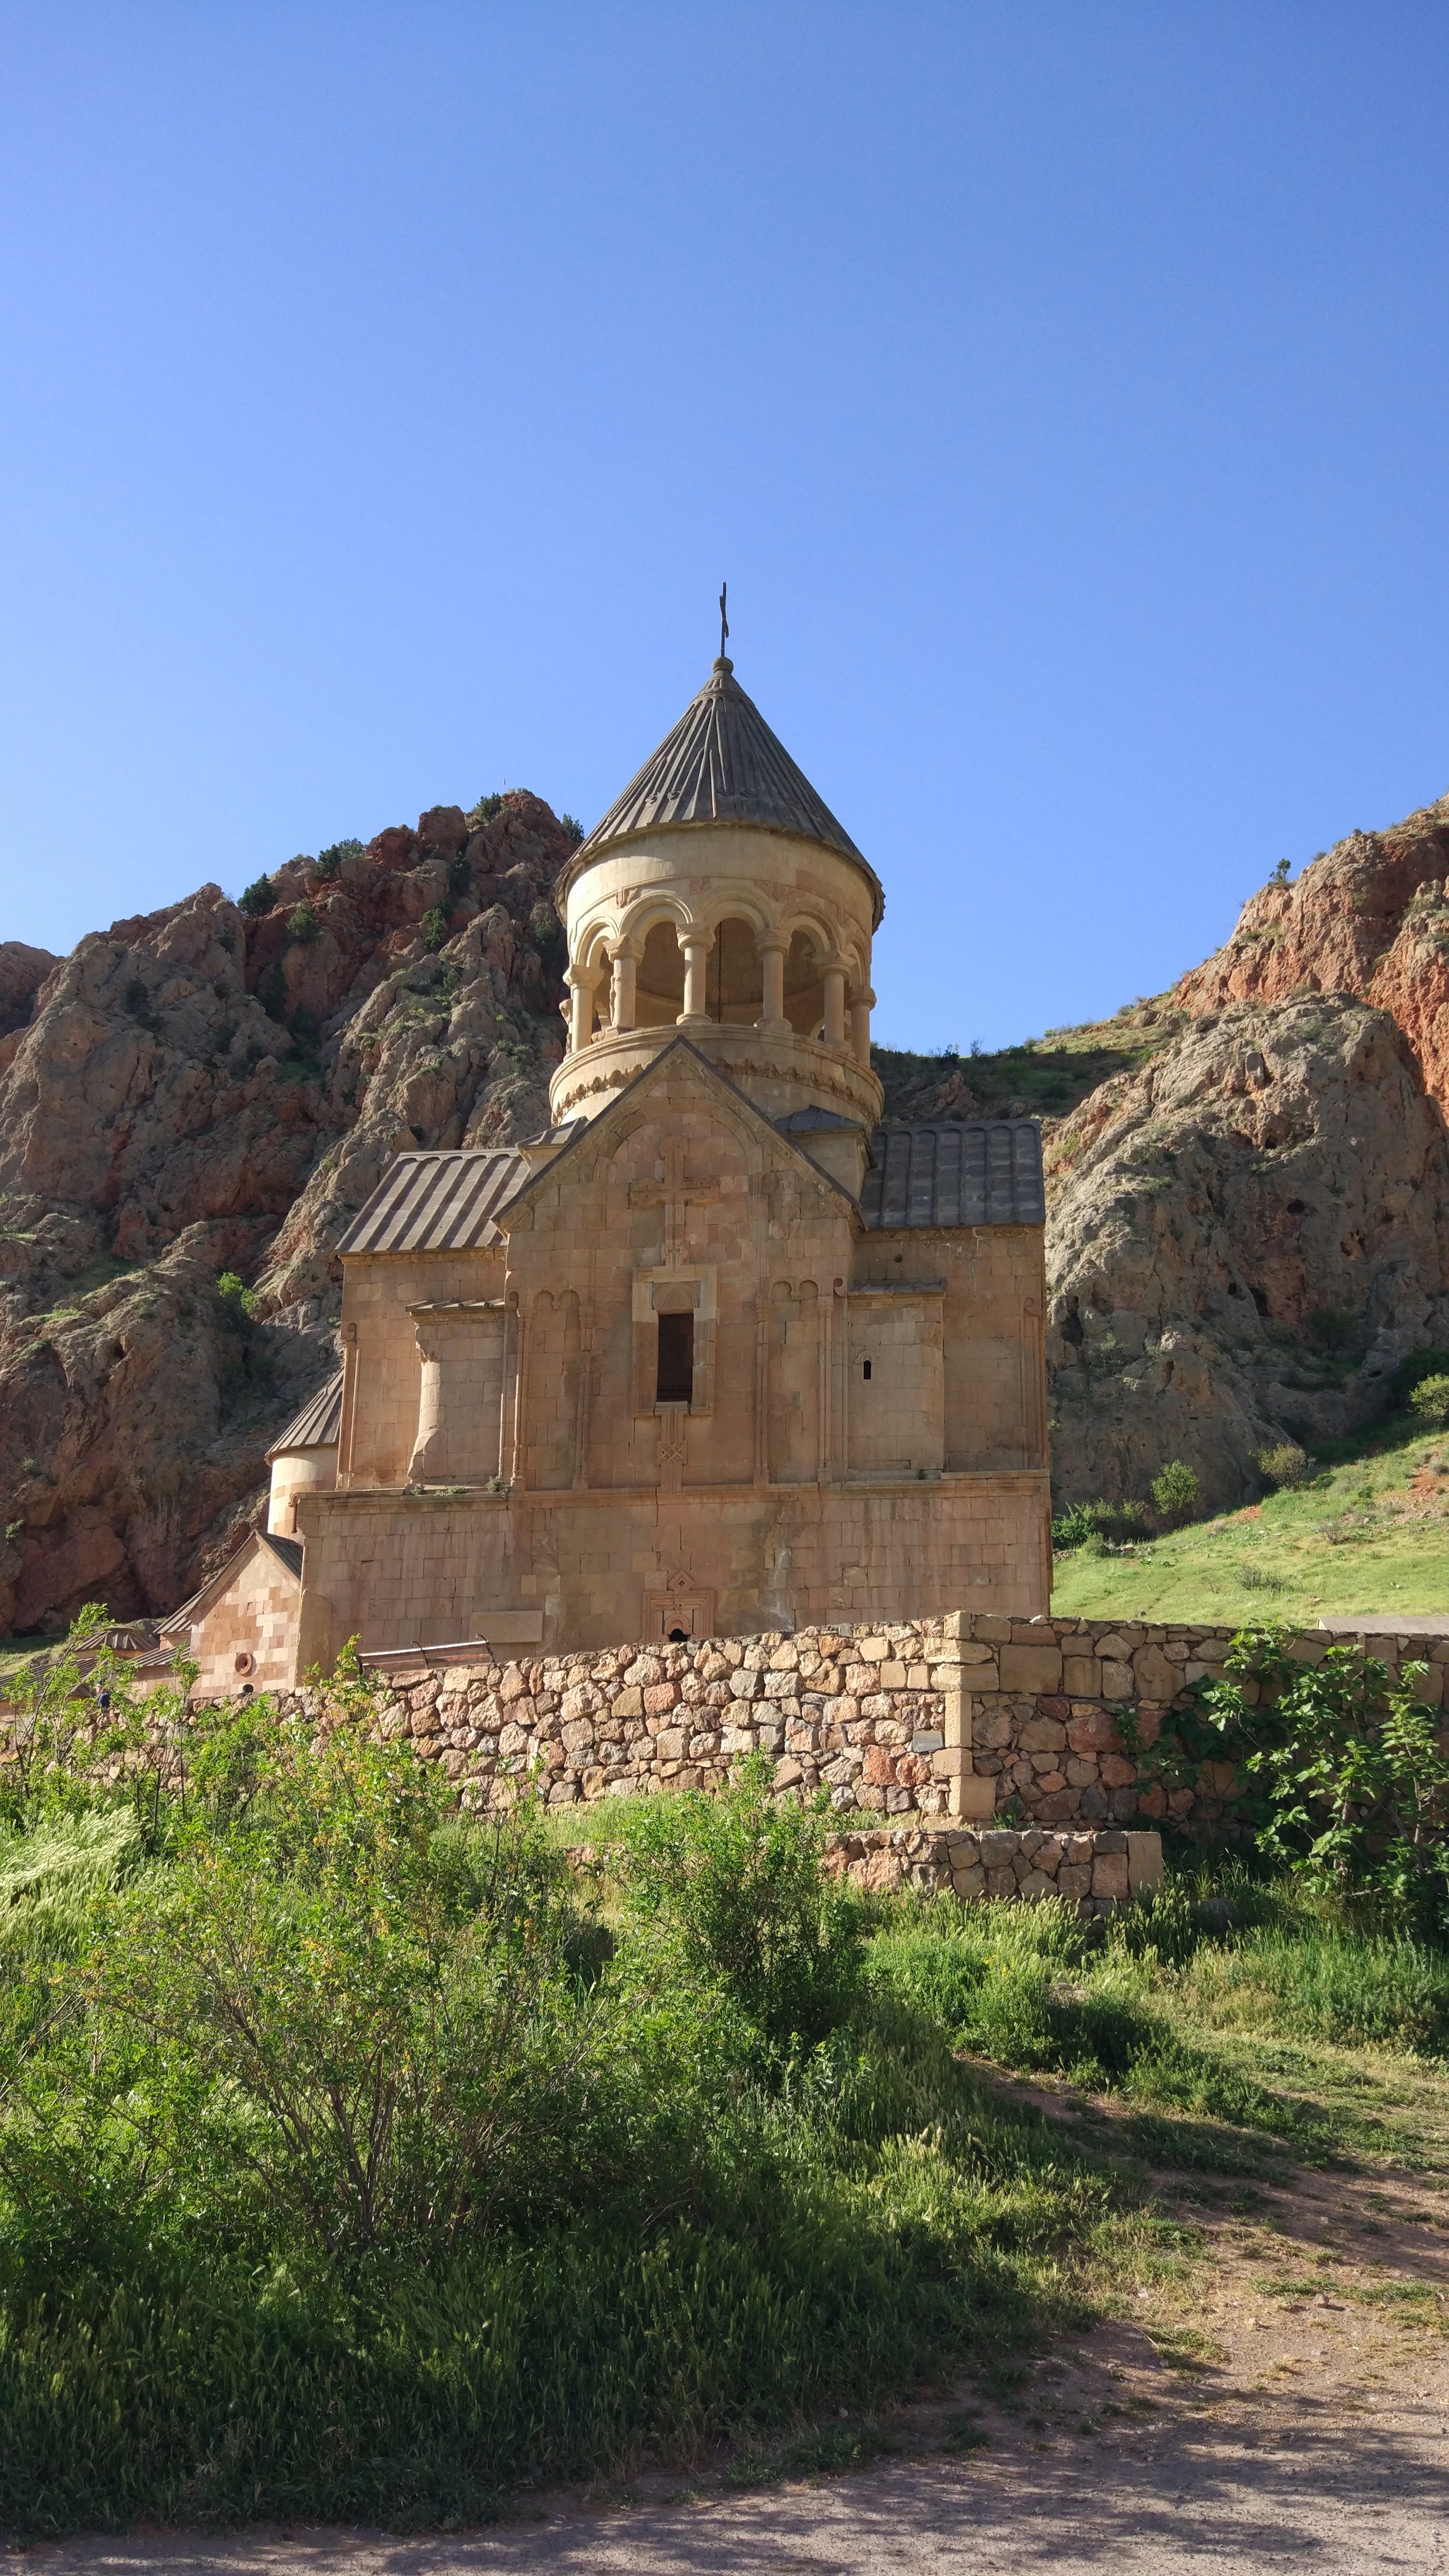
(680, 1077)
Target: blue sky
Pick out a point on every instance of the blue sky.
(1063, 390)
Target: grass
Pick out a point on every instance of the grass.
(1367, 1535)
(695, 2230)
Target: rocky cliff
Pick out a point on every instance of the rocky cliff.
(1249, 1177)
(205, 1095)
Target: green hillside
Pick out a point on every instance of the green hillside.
(1368, 1533)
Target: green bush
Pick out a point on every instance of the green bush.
(1413, 1368)
(731, 1890)
(433, 928)
(1430, 1401)
(1259, 1578)
(302, 923)
(258, 897)
(1175, 1492)
(330, 861)
(573, 827)
(342, 2170)
(240, 1301)
(1285, 1465)
(1346, 1780)
(1109, 1524)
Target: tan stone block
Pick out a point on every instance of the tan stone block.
(1144, 1860)
(1081, 1676)
(1118, 1680)
(1157, 1679)
(1031, 1669)
(1111, 1875)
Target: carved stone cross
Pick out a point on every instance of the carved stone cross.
(674, 1195)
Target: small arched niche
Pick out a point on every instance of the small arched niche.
(734, 976)
(804, 987)
(659, 987)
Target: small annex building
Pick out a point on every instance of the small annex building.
(718, 1352)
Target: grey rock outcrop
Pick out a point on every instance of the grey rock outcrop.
(1245, 1235)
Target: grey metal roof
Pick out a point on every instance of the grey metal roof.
(969, 1172)
(318, 1423)
(721, 764)
(437, 1202)
(288, 1549)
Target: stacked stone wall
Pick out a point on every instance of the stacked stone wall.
(968, 1717)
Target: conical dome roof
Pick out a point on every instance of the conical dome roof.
(721, 764)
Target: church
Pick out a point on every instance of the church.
(718, 1352)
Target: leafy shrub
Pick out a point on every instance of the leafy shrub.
(1430, 1401)
(1175, 1492)
(573, 827)
(1346, 1780)
(330, 861)
(239, 1301)
(433, 928)
(1115, 1524)
(258, 897)
(1331, 1327)
(302, 923)
(1259, 1578)
(1413, 1368)
(1285, 1465)
(486, 810)
(732, 1889)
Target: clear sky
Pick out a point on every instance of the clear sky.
(1062, 386)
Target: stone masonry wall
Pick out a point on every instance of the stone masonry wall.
(959, 1717)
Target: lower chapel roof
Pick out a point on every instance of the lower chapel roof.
(984, 1171)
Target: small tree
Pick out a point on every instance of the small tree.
(302, 923)
(1175, 1492)
(259, 897)
(433, 928)
(330, 860)
(1284, 1466)
(1430, 1401)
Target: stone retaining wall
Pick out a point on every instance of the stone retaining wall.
(1096, 1871)
(966, 1716)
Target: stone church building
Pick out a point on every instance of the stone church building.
(715, 1353)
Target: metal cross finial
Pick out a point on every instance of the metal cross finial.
(724, 624)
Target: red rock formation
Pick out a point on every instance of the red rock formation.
(1369, 918)
(175, 1092)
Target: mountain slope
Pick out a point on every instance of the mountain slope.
(207, 1091)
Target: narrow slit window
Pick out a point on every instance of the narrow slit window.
(675, 1382)
(865, 1368)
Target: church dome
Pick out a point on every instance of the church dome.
(720, 898)
(722, 764)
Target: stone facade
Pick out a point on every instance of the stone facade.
(716, 1354)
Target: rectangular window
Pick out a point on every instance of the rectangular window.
(675, 1380)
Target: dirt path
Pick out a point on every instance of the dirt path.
(1279, 2400)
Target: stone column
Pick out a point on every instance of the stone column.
(427, 1447)
(835, 1006)
(696, 945)
(861, 1006)
(626, 969)
(772, 1018)
(582, 1026)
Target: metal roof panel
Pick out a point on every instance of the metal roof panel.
(437, 1202)
(983, 1171)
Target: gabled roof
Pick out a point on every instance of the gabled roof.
(721, 764)
(444, 1202)
(642, 1081)
(316, 1426)
(288, 1552)
(984, 1171)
